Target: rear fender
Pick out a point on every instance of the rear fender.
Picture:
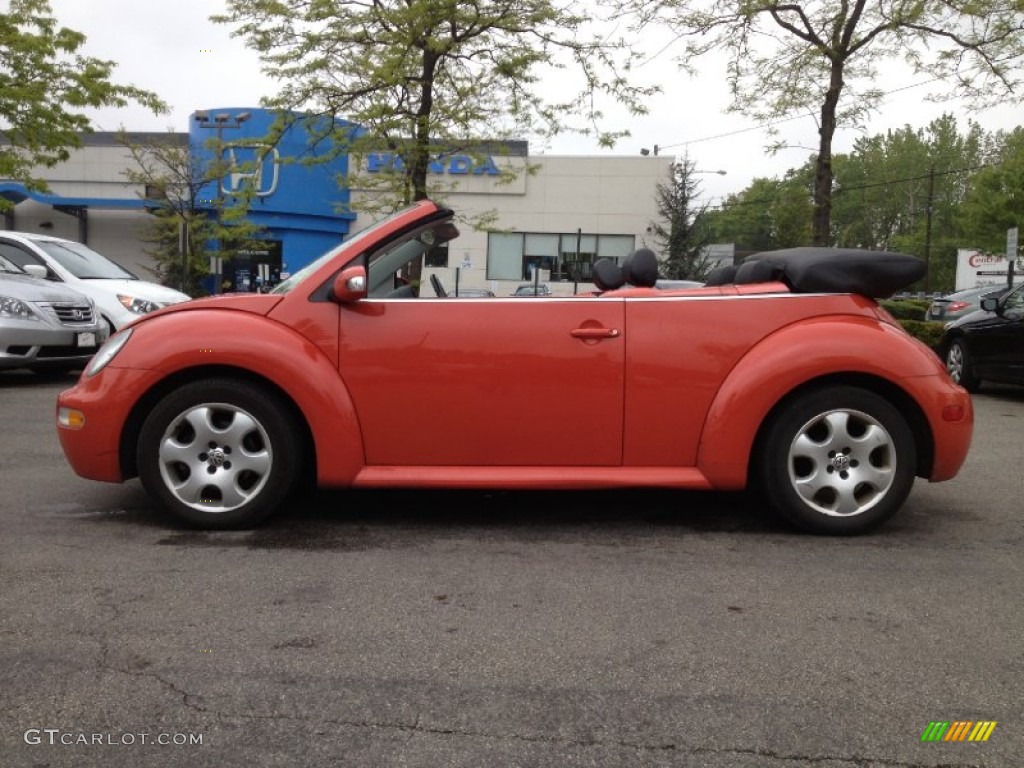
(785, 360)
(267, 349)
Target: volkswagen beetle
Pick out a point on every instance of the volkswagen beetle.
(785, 376)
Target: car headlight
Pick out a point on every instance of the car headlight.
(136, 305)
(16, 309)
(108, 351)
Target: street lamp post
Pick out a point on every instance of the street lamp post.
(219, 123)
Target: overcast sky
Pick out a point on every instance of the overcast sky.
(171, 47)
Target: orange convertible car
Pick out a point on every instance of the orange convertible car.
(786, 375)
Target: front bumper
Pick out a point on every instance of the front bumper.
(106, 401)
(26, 344)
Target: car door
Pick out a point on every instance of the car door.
(488, 382)
(1002, 349)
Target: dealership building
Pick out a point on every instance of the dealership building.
(552, 215)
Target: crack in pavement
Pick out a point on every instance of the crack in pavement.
(415, 728)
(189, 700)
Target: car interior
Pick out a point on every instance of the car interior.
(385, 279)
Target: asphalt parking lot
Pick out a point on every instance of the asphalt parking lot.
(475, 629)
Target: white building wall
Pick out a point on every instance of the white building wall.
(92, 171)
(600, 195)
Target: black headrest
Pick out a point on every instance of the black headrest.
(641, 268)
(721, 275)
(608, 275)
(755, 271)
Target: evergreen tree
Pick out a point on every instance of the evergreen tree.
(682, 233)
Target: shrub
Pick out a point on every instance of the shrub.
(929, 333)
(905, 309)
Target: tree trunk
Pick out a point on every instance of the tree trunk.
(822, 220)
(419, 164)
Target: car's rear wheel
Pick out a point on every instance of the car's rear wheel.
(960, 366)
(838, 460)
(219, 453)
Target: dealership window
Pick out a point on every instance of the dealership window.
(504, 255)
(567, 256)
(539, 252)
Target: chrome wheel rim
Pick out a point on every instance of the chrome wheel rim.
(215, 457)
(842, 462)
(955, 363)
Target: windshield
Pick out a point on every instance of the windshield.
(83, 262)
(306, 271)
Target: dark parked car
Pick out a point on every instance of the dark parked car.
(957, 305)
(987, 345)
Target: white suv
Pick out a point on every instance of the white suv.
(119, 295)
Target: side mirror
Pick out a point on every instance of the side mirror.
(990, 305)
(350, 285)
(36, 270)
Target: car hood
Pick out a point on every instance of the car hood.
(139, 289)
(29, 288)
(257, 303)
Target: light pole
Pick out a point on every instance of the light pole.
(219, 123)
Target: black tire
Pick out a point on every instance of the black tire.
(838, 460)
(960, 365)
(238, 435)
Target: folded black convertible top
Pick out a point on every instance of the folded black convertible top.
(832, 270)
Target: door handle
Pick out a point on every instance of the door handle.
(594, 333)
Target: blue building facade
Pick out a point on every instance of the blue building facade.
(298, 203)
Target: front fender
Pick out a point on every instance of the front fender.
(175, 343)
(787, 359)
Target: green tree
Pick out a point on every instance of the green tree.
(44, 86)
(823, 57)
(793, 207)
(682, 233)
(424, 78)
(745, 218)
(767, 215)
(995, 199)
(902, 191)
(185, 228)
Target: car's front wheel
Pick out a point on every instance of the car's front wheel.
(219, 453)
(960, 366)
(837, 460)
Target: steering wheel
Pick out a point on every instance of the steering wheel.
(438, 288)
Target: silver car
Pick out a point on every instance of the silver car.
(45, 326)
(962, 303)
